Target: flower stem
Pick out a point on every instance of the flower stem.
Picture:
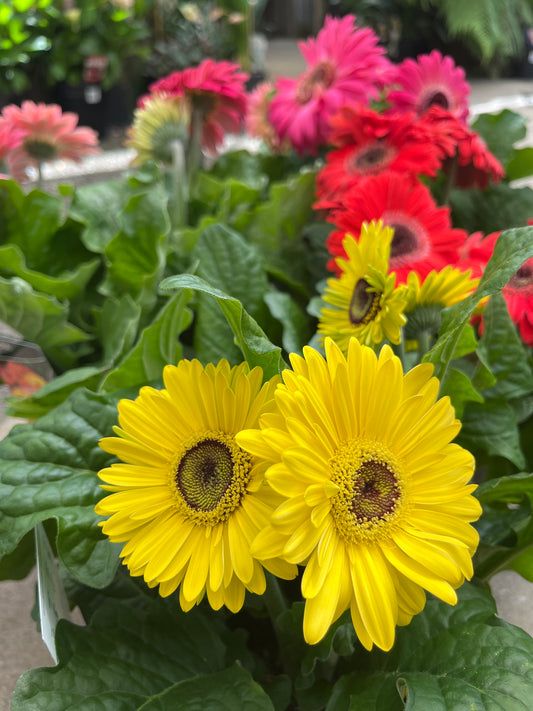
(194, 152)
(273, 598)
(424, 344)
(180, 188)
(450, 180)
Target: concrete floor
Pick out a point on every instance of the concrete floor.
(21, 647)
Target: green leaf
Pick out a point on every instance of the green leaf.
(232, 688)
(136, 256)
(493, 428)
(506, 527)
(521, 164)
(127, 656)
(38, 219)
(499, 207)
(502, 350)
(55, 392)
(158, 346)
(512, 249)
(227, 262)
(116, 327)
(48, 470)
(39, 318)
(458, 386)
(296, 328)
(500, 132)
(65, 286)
(250, 338)
(460, 657)
(98, 207)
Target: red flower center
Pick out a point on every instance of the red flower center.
(522, 280)
(321, 77)
(372, 158)
(409, 243)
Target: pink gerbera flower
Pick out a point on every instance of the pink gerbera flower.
(46, 133)
(370, 143)
(257, 121)
(344, 65)
(9, 138)
(217, 94)
(431, 79)
(424, 239)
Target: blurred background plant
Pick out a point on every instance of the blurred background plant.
(486, 36)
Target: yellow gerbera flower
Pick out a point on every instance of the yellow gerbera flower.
(426, 298)
(156, 125)
(364, 301)
(377, 505)
(188, 501)
(443, 288)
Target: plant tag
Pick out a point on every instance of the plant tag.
(53, 604)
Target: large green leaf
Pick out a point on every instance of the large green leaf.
(499, 207)
(129, 656)
(506, 527)
(460, 657)
(157, 346)
(227, 262)
(501, 131)
(48, 471)
(250, 338)
(521, 164)
(39, 318)
(38, 219)
(512, 249)
(65, 286)
(136, 256)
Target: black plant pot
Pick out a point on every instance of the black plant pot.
(100, 109)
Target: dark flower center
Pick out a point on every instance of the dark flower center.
(370, 159)
(204, 474)
(375, 491)
(40, 150)
(436, 98)
(364, 304)
(522, 279)
(321, 77)
(404, 241)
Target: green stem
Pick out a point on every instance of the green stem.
(274, 599)
(40, 175)
(487, 571)
(180, 188)
(194, 152)
(423, 339)
(399, 349)
(450, 180)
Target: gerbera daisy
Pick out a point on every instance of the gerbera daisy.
(474, 165)
(427, 297)
(444, 130)
(217, 95)
(345, 65)
(363, 301)
(423, 236)
(370, 143)
(9, 138)
(48, 133)
(377, 502)
(161, 121)
(188, 501)
(431, 79)
(257, 121)
(518, 292)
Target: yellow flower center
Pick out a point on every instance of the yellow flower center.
(364, 304)
(371, 493)
(209, 477)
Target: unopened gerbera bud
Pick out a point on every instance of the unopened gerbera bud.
(157, 124)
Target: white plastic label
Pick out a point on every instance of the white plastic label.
(53, 604)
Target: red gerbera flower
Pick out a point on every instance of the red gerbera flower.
(431, 79)
(423, 236)
(45, 133)
(370, 143)
(444, 130)
(345, 65)
(518, 292)
(216, 90)
(476, 165)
